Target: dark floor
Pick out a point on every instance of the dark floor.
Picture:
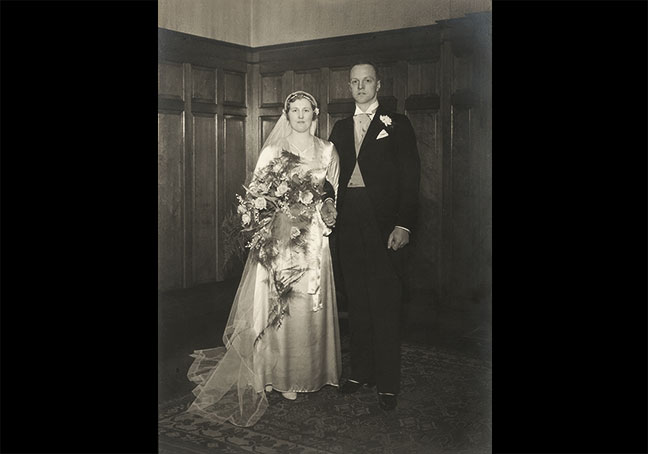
(192, 319)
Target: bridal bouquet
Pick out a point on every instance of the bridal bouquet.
(279, 204)
(275, 213)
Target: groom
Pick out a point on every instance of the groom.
(377, 205)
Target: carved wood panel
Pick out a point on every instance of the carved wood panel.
(271, 90)
(422, 78)
(332, 119)
(462, 73)
(170, 80)
(234, 159)
(339, 85)
(205, 203)
(235, 89)
(170, 199)
(463, 195)
(266, 123)
(386, 74)
(426, 256)
(204, 84)
(308, 81)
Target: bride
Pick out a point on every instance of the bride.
(300, 353)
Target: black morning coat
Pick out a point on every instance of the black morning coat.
(390, 167)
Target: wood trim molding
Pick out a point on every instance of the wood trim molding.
(423, 102)
(172, 104)
(203, 107)
(464, 99)
(205, 52)
(394, 45)
(344, 106)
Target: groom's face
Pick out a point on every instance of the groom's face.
(363, 84)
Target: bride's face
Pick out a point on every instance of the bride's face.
(300, 115)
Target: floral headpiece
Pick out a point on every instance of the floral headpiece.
(291, 97)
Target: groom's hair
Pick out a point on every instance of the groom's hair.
(367, 62)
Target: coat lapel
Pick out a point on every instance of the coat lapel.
(347, 150)
(374, 129)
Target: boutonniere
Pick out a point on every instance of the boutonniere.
(386, 120)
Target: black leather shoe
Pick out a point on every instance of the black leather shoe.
(387, 402)
(349, 387)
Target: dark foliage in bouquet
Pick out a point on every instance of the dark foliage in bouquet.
(274, 215)
(234, 250)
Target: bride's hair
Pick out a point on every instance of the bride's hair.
(301, 95)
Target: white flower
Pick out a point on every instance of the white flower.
(260, 203)
(385, 119)
(294, 232)
(282, 189)
(241, 209)
(245, 218)
(305, 197)
(262, 187)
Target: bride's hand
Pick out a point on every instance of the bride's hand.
(328, 213)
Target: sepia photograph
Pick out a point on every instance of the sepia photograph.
(324, 226)
(313, 271)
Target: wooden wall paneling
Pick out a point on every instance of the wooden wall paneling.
(334, 118)
(427, 259)
(386, 74)
(308, 81)
(445, 93)
(462, 72)
(435, 74)
(170, 199)
(484, 40)
(400, 85)
(481, 133)
(185, 48)
(234, 159)
(253, 130)
(287, 84)
(323, 121)
(205, 202)
(345, 51)
(171, 80)
(221, 172)
(235, 89)
(203, 83)
(464, 180)
(338, 86)
(463, 215)
(266, 123)
(271, 90)
(423, 78)
(188, 178)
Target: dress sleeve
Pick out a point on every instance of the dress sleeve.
(266, 155)
(333, 170)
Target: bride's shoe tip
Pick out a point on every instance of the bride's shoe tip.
(289, 395)
(268, 388)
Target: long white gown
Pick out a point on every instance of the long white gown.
(303, 353)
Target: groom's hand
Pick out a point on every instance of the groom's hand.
(328, 213)
(397, 239)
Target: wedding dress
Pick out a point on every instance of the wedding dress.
(303, 353)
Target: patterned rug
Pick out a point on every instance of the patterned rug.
(444, 407)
